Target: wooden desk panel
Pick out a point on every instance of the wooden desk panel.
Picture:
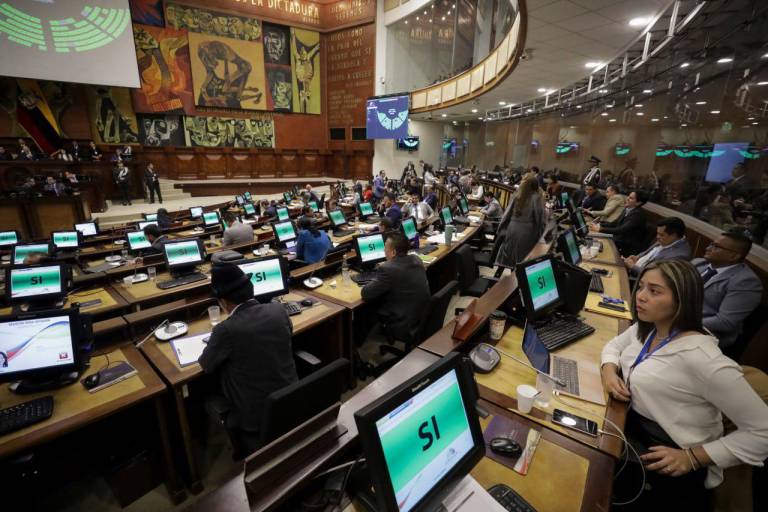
(110, 301)
(144, 292)
(610, 254)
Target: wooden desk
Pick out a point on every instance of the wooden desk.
(111, 302)
(74, 408)
(161, 356)
(609, 255)
(139, 294)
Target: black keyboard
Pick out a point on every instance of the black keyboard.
(461, 219)
(509, 499)
(566, 370)
(561, 331)
(344, 232)
(427, 249)
(596, 284)
(181, 281)
(25, 414)
(364, 277)
(292, 308)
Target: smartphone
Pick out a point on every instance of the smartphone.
(574, 422)
(614, 307)
(601, 271)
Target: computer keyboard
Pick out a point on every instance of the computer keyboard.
(343, 232)
(509, 499)
(561, 331)
(364, 277)
(461, 219)
(567, 371)
(596, 284)
(181, 281)
(292, 308)
(427, 249)
(25, 414)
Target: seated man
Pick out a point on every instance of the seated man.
(311, 196)
(614, 206)
(629, 231)
(164, 219)
(391, 209)
(731, 289)
(430, 198)
(417, 208)
(269, 209)
(400, 289)
(251, 353)
(492, 209)
(670, 244)
(158, 240)
(593, 199)
(312, 244)
(236, 232)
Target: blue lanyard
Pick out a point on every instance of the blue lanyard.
(644, 354)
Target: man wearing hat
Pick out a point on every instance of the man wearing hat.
(251, 352)
(593, 175)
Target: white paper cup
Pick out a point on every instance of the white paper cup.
(594, 251)
(525, 396)
(128, 281)
(584, 252)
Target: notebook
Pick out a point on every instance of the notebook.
(189, 349)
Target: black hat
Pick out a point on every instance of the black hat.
(227, 278)
(593, 158)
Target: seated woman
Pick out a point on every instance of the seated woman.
(312, 244)
(164, 220)
(679, 386)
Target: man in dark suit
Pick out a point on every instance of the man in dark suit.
(593, 199)
(400, 291)
(251, 353)
(152, 182)
(122, 177)
(390, 208)
(670, 244)
(629, 231)
(731, 289)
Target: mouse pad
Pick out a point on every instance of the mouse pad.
(501, 426)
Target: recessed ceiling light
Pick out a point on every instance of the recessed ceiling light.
(541, 89)
(603, 91)
(480, 118)
(425, 13)
(639, 22)
(593, 64)
(443, 115)
(655, 119)
(502, 103)
(725, 60)
(639, 114)
(578, 106)
(762, 83)
(443, 19)
(604, 114)
(430, 20)
(529, 110)
(683, 125)
(647, 91)
(611, 120)
(666, 117)
(750, 119)
(765, 56)
(638, 106)
(685, 65)
(701, 102)
(417, 18)
(755, 122)
(714, 111)
(474, 111)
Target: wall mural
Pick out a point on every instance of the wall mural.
(212, 132)
(213, 23)
(161, 130)
(112, 117)
(147, 12)
(305, 59)
(164, 68)
(277, 64)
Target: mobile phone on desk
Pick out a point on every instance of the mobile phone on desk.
(614, 307)
(574, 422)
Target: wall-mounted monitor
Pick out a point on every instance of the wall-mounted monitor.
(567, 148)
(622, 149)
(408, 144)
(387, 117)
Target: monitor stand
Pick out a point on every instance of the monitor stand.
(26, 386)
(28, 307)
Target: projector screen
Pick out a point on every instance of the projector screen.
(85, 41)
(387, 118)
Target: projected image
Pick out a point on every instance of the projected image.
(387, 118)
(159, 130)
(112, 117)
(72, 40)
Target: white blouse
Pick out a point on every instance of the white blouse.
(686, 386)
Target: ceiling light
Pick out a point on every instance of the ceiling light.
(666, 117)
(530, 110)
(604, 114)
(593, 64)
(639, 22)
(578, 106)
(611, 120)
(639, 114)
(638, 106)
(417, 18)
(603, 91)
(443, 18)
(714, 111)
(443, 115)
(406, 21)
(725, 60)
(762, 83)
(655, 120)
(683, 125)
(684, 65)
(474, 111)
(541, 89)
(755, 122)
(701, 102)
(502, 103)
(425, 13)
(480, 118)
(430, 20)
(647, 91)
(765, 56)
(750, 119)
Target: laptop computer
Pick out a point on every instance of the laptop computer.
(582, 378)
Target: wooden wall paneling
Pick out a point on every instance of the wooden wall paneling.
(213, 165)
(265, 165)
(290, 164)
(361, 164)
(337, 165)
(54, 215)
(311, 164)
(186, 165)
(12, 217)
(240, 163)
(157, 157)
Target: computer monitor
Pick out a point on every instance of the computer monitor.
(282, 213)
(567, 245)
(370, 249)
(366, 210)
(137, 241)
(269, 276)
(337, 218)
(446, 216)
(249, 209)
(287, 197)
(151, 217)
(423, 437)
(87, 228)
(21, 251)
(247, 196)
(141, 225)
(27, 283)
(563, 199)
(285, 233)
(196, 212)
(39, 345)
(211, 219)
(408, 225)
(9, 238)
(538, 287)
(183, 255)
(65, 239)
(313, 205)
(240, 200)
(463, 205)
(570, 205)
(579, 224)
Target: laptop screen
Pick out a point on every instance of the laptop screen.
(535, 349)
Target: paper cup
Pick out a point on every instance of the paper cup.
(594, 251)
(525, 396)
(128, 281)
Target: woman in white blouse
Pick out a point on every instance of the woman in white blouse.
(679, 386)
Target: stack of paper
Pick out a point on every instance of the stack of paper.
(188, 350)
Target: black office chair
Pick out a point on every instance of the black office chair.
(470, 282)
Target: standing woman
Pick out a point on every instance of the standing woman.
(679, 386)
(522, 224)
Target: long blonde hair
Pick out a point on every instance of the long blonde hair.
(529, 187)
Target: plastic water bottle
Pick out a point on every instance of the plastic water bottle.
(345, 279)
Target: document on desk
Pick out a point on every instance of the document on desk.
(189, 349)
(468, 496)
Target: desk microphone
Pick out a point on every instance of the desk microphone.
(555, 379)
(161, 325)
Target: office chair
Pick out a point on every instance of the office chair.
(470, 283)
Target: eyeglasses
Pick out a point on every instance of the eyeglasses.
(714, 245)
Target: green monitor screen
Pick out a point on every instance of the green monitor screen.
(8, 238)
(249, 209)
(366, 209)
(564, 198)
(337, 218)
(266, 277)
(21, 251)
(573, 249)
(313, 205)
(196, 212)
(287, 196)
(463, 205)
(425, 438)
(541, 283)
(284, 231)
(371, 248)
(186, 253)
(137, 241)
(65, 239)
(150, 216)
(87, 229)
(282, 214)
(409, 228)
(211, 218)
(35, 281)
(247, 196)
(581, 225)
(141, 225)
(446, 215)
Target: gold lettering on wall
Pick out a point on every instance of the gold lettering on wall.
(309, 12)
(350, 74)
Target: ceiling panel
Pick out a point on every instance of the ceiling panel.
(557, 11)
(585, 22)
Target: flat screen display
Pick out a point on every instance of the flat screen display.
(366, 209)
(371, 248)
(446, 215)
(36, 343)
(313, 205)
(581, 223)
(573, 248)
(287, 196)
(337, 217)
(282, 214)
(249, 209)
(87, 228)
(387, 118)
(142, 225)
(240, 200)
(211, 218)
(8, 238)
(70, 41)
(285, 231)
(21, 251)
(247, 196)
(196, 212)
(541, 282)
(463, 205)
(35, 281)
(408, 144)
(150, 216)
(137, 241)
(266, 276)
(183, 253)
(417, 457)
(65, 239)
(409, 228)
(563, 199)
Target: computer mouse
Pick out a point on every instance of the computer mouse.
(91, 381)
(307, 303)
(505, 446)
(484, 358)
